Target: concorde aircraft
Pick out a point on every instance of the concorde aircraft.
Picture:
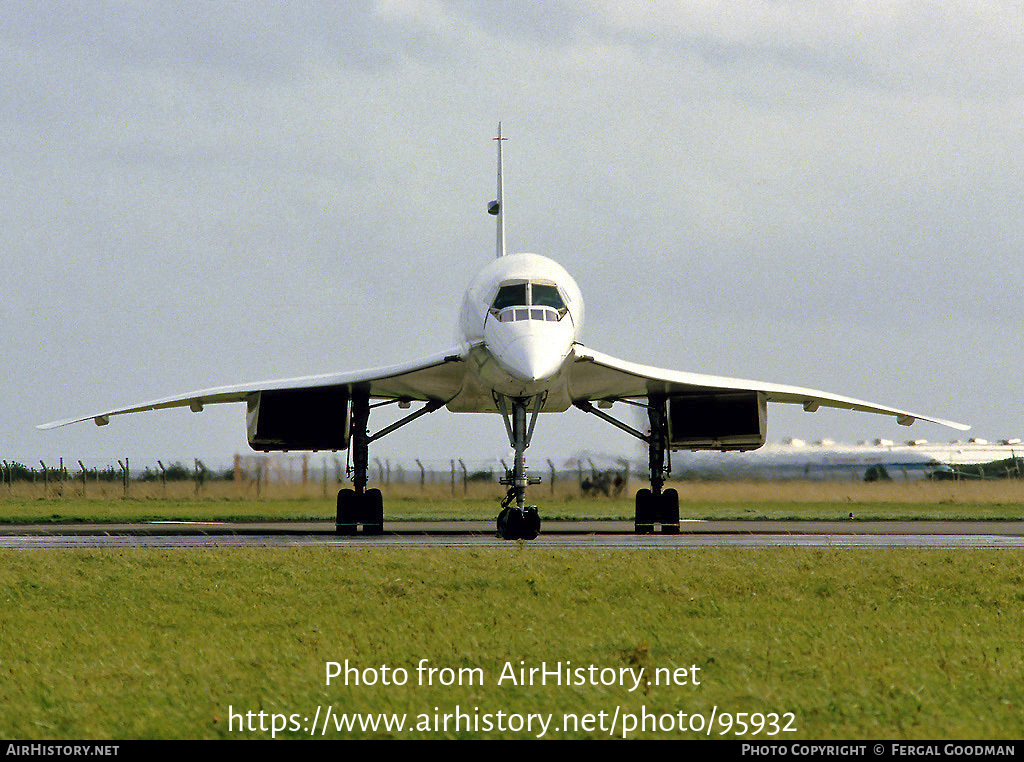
(520, 356)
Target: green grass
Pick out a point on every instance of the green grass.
(898, 503)
(857, 644)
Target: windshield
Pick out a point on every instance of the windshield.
(526, 294)
(547, 296)
(511, 295)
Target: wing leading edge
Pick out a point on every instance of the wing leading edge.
(596, 376)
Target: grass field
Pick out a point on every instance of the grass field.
(220, 501)
(853, 643)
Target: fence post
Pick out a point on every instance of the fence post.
(200, 472)
(552, 467)
(82, 466)
(124, 475)
(465, 477)
(423, 474)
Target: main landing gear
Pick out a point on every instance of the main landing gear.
(360, 507)
(655, 507)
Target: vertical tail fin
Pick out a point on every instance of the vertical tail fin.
(497, 207)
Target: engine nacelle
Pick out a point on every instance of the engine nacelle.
(299, 419)
(717, 421)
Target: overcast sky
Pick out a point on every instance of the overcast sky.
(826, 194)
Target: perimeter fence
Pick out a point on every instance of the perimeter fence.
(286, 475)
(296, 475)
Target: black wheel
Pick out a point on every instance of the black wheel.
(530, 523)
(347, 518)
(669, 512)
(373, 512)
(515, 524)
(643, 522)
(503, 524)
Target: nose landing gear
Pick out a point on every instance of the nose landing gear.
(518, 521)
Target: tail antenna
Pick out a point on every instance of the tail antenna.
(497, 207)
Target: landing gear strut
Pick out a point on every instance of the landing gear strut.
(518, 521)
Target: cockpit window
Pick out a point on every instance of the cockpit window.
(526, 294)
(511, 295)
(515, 314)
(546, 296)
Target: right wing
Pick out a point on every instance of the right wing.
(313, 410)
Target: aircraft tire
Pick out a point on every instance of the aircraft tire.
(347, 517)
(373, 512)
(643, 522)
(530, 526)
(505, 525)
(669, 512)
(514, 524)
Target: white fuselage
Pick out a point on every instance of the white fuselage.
(523, 313)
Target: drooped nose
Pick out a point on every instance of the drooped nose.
(533, 358)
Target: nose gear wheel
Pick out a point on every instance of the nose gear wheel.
(516, 523)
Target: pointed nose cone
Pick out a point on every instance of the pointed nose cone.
(531, 360)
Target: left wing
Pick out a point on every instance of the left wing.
(597, 376)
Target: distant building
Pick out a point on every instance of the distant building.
(826, 459)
